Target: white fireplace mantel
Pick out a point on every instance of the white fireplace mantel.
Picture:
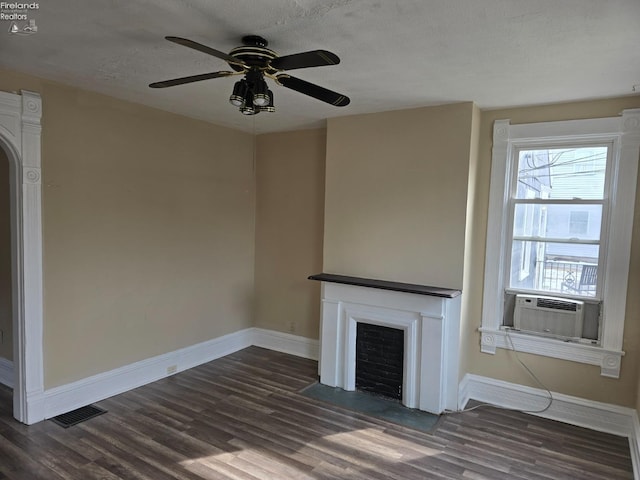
(430, 318)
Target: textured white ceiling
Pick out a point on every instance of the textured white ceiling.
(394, 53)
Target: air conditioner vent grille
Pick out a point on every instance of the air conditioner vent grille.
(556, 304)
(548, 316)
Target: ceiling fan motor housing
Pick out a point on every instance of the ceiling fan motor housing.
(254, 53)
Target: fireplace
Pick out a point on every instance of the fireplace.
(428, 319)
(379, 360)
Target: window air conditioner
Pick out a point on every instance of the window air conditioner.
(549, 316)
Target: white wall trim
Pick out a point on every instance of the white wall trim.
(608, 360)
(603, 417)
(65, 398)
(6, 372)
(634, 446)
(20, 132)
(286, 342)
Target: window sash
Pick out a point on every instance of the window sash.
(527, 223)
(550, 201)
(574, 143)
(513, 200)
(573, 240)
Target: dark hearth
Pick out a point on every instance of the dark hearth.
(379, 360)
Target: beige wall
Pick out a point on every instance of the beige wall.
(289, 223)
(149, 227)
(469, 288)
(148, 223)
(561, 376)
(396, 195)
(6, 315)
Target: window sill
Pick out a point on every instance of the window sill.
(608, 360)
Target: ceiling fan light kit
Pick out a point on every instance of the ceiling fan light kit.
(251, 94)
(255, 61)
(239, 92)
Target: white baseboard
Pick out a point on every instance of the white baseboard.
(286, 342)
(6, 372)
(83, 392)
(603, 417)
(92, 389)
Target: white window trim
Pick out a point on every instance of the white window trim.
(624, 131)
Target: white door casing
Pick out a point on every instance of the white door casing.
(20, 131)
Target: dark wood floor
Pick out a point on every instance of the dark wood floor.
(240, 417)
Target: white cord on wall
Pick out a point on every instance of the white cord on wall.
(533, 375)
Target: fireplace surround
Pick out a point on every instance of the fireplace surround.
(429, 317)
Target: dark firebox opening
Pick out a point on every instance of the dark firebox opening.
(379, 360)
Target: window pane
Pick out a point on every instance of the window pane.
(565, 221)
(562, 173)
(578, 223)
(554, 267)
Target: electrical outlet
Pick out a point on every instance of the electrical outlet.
(172, 369)
(292, 326)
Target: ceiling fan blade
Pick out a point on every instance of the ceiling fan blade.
(315, 91)
(314, 58)
(208, 50)
(193, 78)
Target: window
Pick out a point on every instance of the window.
(559, 192)
(552, 247)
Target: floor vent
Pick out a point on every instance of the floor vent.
(74, 417)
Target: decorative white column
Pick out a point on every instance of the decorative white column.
(20, 135)
(32, 244)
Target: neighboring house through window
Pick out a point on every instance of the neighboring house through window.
(561, 212)
(578, 223)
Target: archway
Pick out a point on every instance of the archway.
(20, 129)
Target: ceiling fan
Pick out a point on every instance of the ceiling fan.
(255, 61)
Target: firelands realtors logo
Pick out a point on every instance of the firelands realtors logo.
(19, 17)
